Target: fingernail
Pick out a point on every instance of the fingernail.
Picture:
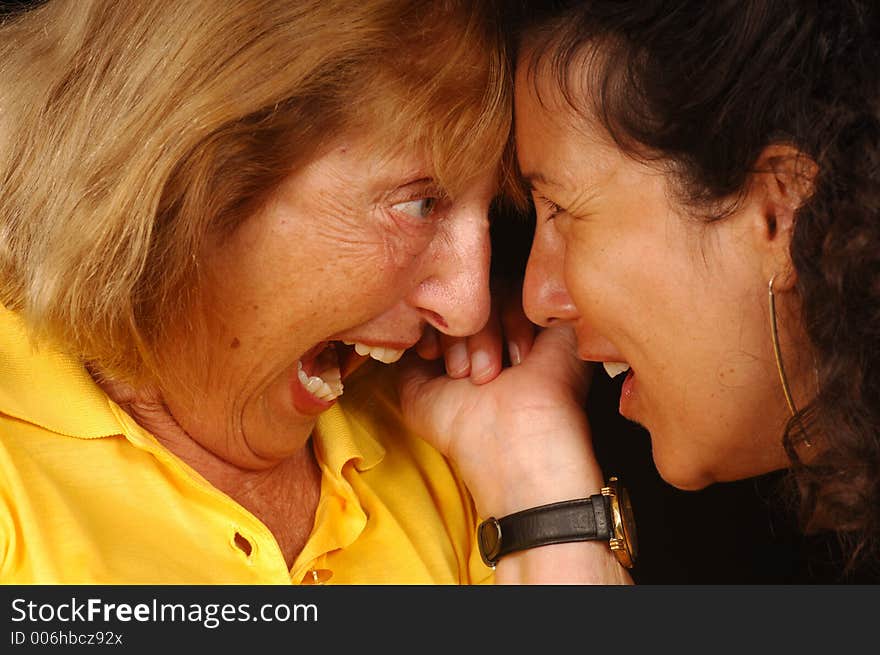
(480, 363)
(457, 362)
(515, 357)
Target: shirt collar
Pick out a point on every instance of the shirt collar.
(31, 373)
(339, 438)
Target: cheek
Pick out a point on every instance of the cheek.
(606, 284)
(717, 407)
(368, 272)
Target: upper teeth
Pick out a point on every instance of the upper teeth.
(613, 369)
(384, 355)
(326, 387)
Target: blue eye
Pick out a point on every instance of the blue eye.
(419, 208)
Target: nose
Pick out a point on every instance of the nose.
(454, 296)
(545, 296)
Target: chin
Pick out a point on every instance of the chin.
(682, 474)
(686, 483)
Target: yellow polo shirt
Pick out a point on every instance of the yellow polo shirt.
(87, 496)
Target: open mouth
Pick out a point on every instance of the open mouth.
(322, 369)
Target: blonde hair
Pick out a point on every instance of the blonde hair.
(131, 130)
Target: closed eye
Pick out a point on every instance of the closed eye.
(551, 209)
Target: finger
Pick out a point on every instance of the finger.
(455, 353)
(485, 349)
(519, 331)
(428, 346)
(415, 372)
(424, 392)
(555, 349)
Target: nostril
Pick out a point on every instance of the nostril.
(436, 319)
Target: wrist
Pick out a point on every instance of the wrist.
(551, 463)
(582, 563)
(520, 486)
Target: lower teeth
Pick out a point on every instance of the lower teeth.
(328, 387)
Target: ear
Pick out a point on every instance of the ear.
(782, 181)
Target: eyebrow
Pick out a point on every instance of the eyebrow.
(582, 195)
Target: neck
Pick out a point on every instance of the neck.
(283, 494)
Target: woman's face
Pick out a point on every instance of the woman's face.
(354, 248)
(682, 301)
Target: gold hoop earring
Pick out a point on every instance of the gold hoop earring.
(774, 334)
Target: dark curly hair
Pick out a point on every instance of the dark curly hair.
(703, 88)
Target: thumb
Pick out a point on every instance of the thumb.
(555, 350)
(425, 393)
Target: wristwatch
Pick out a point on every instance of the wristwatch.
(606, 516)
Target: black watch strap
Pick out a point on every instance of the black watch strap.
(584, 519)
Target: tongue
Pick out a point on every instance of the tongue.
(351, 362)
(347, 358)
(329, 355)
(314, 361)
(326, 360)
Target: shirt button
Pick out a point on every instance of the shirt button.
(317, 576)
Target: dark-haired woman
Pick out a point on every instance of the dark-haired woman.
(706, 179)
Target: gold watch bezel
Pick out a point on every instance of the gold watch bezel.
(623, 541)
(489, 541)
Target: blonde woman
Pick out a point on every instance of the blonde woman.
(211, 215)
